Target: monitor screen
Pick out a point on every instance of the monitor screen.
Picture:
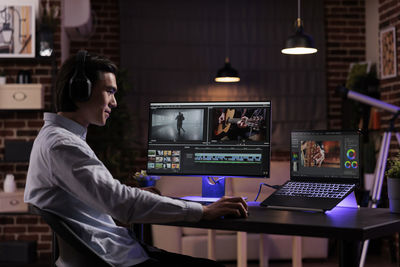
(325, 154)
(209, 138)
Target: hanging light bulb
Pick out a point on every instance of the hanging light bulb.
(299, 43)
(227, 74)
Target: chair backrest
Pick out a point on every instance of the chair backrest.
(72, 250)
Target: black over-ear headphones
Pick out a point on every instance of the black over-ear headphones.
(80, 87)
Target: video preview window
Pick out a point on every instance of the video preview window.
(239, 124)
(325, 154)
(177, 125)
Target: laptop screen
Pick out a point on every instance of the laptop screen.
(331, 156)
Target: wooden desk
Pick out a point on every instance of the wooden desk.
(349, 225)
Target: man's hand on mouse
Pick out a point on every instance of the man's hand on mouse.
(226, 206)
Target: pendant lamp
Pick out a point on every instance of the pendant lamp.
(299, 43)
(227, 74)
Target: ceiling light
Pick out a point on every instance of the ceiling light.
(299, 43)
(227, 74)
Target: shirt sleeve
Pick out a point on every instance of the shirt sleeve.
(79, 172)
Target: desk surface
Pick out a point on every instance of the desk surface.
(342, 223)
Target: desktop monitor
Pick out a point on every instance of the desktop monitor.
(211, 139)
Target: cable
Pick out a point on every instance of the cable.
(276, 187)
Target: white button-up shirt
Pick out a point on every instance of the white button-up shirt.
(66, 178)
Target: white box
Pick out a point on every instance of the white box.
(21, 96)
(13, 202)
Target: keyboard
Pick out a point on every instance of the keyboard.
(321, 190)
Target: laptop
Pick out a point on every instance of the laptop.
(324, 170)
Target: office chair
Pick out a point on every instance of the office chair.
(68, 248)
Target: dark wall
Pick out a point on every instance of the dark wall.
(173, 50)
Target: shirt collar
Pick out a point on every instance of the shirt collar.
(70, 125)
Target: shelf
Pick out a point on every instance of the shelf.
(34, 60)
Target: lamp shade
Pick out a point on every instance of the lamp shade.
(227, 74)
(299, 43)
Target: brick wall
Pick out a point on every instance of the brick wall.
(105, 40)
(27, 228)
(24, 125)
(389, 16)
(345, 43)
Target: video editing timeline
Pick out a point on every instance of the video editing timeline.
(227, 157)
(325, 154)
(209, 138)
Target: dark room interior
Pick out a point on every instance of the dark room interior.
(170, 52)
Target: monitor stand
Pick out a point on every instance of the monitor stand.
(212, 189)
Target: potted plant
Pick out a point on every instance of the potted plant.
(393, 183)
(144, 180)
(362, 78)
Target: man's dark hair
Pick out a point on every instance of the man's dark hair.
(94, 66)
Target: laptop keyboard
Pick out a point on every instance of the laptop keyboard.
(304, 189)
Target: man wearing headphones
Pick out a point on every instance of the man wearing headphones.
(66, 178)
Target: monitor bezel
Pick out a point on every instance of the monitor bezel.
(214, 103)
(356, 181)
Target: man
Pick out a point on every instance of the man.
(179, 120)
(65, 176)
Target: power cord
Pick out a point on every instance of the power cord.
(276, 187)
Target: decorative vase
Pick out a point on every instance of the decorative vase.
(394, 194)
(9, 185)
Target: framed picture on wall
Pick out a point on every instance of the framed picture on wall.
(388, 53)
(17, 28)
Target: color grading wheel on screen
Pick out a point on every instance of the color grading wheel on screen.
(351, 154)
